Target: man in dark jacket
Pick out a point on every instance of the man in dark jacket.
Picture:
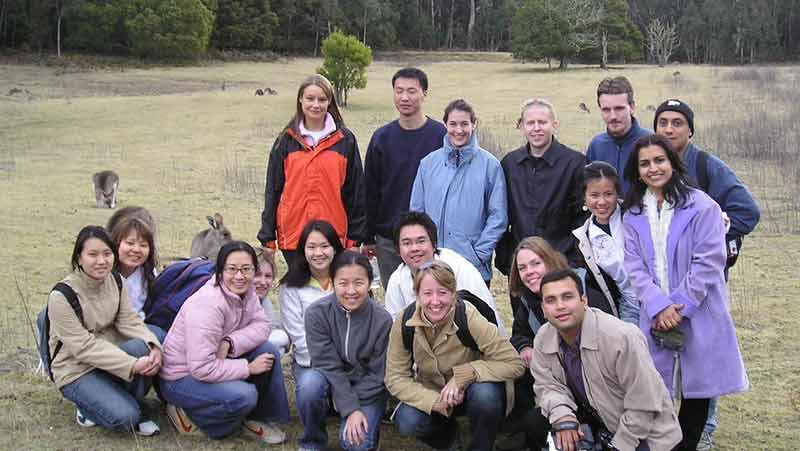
(391, 164)
(617, 107)
(543, 179)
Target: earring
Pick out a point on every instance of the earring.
(585, 208)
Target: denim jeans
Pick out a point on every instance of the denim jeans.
(218, 408)
(108, 400)
(314, 405)
(160, 333)
(711, 421)
(484, 404)
(629, 311)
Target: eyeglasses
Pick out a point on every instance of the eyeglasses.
(245, 270)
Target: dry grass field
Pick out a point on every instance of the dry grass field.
(185, 148)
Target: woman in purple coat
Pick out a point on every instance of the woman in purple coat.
(675, 257)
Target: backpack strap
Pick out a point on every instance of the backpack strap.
(72, 299)
(702, 170)
(463, 333)
(408, 331)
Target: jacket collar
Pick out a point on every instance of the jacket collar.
(461, 155)
(92, 284)
(551, 340)
(551, 156)
(633, 133)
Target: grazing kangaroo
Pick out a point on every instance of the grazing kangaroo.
(582, 106)
(208, 242)
(106, 184)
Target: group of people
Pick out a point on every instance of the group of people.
(621, 338)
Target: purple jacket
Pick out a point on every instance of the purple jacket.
(711, 362)
(208, 316)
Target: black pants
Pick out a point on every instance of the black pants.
(692, 418)
(526, 417)
(289, 256)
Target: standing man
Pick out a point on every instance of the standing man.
(590, 368)
(615, 99)
(675, 120)
(543, 179)
(393, 157)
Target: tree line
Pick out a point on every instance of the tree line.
(705, 31)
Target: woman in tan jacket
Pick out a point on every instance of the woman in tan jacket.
(451, 377)
(103, 362)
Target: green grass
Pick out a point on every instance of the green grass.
(173, 134)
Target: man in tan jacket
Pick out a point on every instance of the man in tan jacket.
(591, 366)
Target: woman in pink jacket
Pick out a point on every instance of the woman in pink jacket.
(220, 371)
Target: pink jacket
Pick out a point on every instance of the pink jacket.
(208, 316)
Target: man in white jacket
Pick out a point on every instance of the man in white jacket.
(415, 238)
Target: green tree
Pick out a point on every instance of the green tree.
(345, 65)
(244, 24)
(170, 28)
(618, 36)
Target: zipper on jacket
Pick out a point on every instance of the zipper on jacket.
(347, 337)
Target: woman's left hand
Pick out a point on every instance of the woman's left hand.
(356, 428)
(669, 318)
(452, 394)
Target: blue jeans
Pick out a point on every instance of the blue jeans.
(314, 405)
(108, 400)
(484, 404)
(160, 333)
(629, 311)
(218, 408)
(713, 412)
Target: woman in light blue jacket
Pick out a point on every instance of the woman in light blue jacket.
(462, 188)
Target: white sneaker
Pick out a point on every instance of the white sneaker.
(82, 420)
(147, 428)
(266, 432)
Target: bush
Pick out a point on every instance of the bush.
(244, 24)
(345, 65)
(169, 28)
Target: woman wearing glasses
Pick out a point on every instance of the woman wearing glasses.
(220, 371)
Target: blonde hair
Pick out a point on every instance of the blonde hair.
(536, 101)
(552, 259)
(441, 272)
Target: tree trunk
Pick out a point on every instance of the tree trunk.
(604, 49)
(59, 13)
(433, 18)
(450, 24)
(562, 64)
(364, 36)
(471, 24)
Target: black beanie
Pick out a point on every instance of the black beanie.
(677, 106)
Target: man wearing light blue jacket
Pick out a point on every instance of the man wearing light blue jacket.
(462, 188)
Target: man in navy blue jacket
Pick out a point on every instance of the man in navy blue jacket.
(393, 157)
(614, 146)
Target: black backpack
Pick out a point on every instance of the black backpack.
(460, 319)
(43, 322)
(734, 245)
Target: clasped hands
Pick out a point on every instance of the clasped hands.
(450, 397)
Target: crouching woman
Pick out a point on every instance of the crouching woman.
(220, 371)
(451, 378)
(347, 334)
(103, 355)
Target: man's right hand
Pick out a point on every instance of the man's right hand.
(567, 440)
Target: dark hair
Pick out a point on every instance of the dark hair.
(460, 105)
(333, 107)
(615, 85)
(419, 218)
(124, 227)
(597, 170)
(299, 271)
(562, 274)
(228, 249)
(347, 258)
(412, 73)
(86, 233)
(677, 189)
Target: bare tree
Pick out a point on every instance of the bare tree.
(471, 24)
(662, 39)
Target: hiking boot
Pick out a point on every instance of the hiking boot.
(181, 422)
(706, 442)
(147, 428)
(82, 420)
(266, 432)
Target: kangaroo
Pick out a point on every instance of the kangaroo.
(208, 242)
(106, 185)
(582, 106)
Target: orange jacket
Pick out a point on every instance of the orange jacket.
(305, 182)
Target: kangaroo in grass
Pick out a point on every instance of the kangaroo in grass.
(208, 242)
(106, 184)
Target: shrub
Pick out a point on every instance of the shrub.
(345, 65)
(169, 28)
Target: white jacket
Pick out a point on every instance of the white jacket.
(400, 289)
(294, 302)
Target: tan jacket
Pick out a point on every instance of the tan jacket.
(97, 344)
(621, 382)
(440, 356)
